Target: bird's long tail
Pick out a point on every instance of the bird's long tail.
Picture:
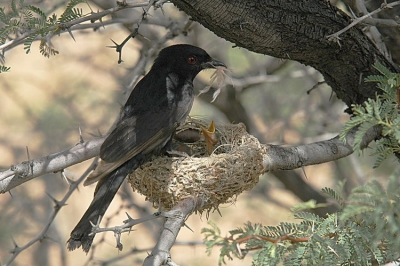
(105, 191)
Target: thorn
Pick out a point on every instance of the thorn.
(188, 227)
(29, 161)
(95, 226)
(144, 37)
(9, 192)
(315, 86)
(56, 202)
(70, 33)
(130, 219)
(65, 177)
(219, 212)
(15, 243)
(116, 45)
(80, 136)
(91, 10)
(144, 13)
(101, 21)
(159, 205)
(304, 172)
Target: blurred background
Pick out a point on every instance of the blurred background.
(44, 102)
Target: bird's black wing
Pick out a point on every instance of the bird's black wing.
(144, 130)
(138, 134)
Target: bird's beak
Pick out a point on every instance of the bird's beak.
(213, 64)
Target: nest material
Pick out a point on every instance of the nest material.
(234, 166)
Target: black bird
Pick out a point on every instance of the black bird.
(156, 106)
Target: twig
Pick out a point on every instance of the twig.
(174, 30)
(129, 223)
(118, 47)
(57, 207)
(384, 6)
(67, 25)
(25, 171)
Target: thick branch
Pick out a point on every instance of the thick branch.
(275, 158)
(25, 171)
(297, 30)
(160, 253)
(288, 158)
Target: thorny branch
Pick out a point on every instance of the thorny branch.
(177, 215)
(57, 207)
(356, 21)
(157, 252)
(130, 222)
(118, 47)
(25, 171)
(295, 157)
(30, 169)
(68, 26)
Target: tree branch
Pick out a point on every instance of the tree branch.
(57, 207)
(273, 28)
(27, 170)
(275, 158)
(66, 26)
(360, 19)
(160, 253)
(288, 158)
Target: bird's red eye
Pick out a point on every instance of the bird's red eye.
(192, 60)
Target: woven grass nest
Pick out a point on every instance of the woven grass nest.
(234, 166)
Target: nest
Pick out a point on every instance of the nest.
(234, 166)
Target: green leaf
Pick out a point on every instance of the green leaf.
(332, 193)
(37, 11)
(28, 42)
(4, 69)
(71, 12)
(383, 70)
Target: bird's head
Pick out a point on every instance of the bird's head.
(185, 60)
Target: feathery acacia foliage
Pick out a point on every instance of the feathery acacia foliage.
(382, 111)
(32, 21)
(363, 232)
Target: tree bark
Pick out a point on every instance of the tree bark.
(297, 30)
